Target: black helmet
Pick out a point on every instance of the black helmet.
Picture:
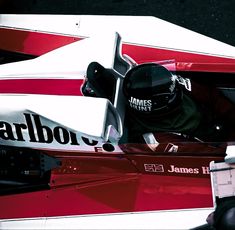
(151, 88)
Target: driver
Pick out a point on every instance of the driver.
(160, 101)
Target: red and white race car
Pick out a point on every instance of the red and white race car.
(61, 160)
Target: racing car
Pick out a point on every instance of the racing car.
(62, 155)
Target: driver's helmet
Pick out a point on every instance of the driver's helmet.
(151, 88)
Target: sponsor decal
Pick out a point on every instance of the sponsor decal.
(153, 168)
(32, 131)
(140, 104)
(174, 169)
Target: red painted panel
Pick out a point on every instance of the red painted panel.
(32, 204)
(42, 86)
(143, 54)
(173, 192)
(32, 42)
(126, 194)
(110, 183)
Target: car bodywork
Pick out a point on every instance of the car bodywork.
(61, 154)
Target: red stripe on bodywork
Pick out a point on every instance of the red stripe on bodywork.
(42, 86)
(143, 54)
(33, 43)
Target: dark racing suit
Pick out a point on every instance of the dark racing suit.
(204, 113)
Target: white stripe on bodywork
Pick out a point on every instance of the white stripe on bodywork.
(176, 219)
